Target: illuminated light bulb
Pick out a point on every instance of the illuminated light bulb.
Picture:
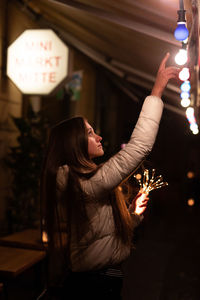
(184, 74)
(185, 95)
(190, 113)
(190, 202)
(194, 128)
(181, 57)
(185, 102)
(181, 32)
(185, 86)
(195, 131)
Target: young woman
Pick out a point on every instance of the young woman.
(86, 218)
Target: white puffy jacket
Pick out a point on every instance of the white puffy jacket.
(100, 248)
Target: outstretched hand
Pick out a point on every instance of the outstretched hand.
(164, 74)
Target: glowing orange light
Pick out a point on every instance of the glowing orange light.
(44, 237)
(190, 174)
(138, 176)
(120, 188)
(190, 202)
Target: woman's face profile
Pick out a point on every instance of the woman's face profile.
(95, 148)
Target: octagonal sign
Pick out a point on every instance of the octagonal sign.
(37, 61)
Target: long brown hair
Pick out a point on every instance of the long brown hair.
(68, 145)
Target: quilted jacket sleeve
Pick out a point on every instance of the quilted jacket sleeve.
(141, 142)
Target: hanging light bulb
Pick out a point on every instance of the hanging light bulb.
(184, 74)
(181, 57)
(195, 131)
(185, 102)
(192, 120)
(190, 113)
(181, 32)
(185, 95)
(194, 128)
(185, 86)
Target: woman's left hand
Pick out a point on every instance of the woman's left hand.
(140, 203)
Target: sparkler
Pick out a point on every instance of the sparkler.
(148, 184)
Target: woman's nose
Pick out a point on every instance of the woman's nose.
(99, 138)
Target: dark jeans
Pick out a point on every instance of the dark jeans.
(87, 286)
(93, 286)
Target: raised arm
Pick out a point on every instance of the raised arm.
(142, 139)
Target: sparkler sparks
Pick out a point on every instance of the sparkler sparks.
(149, 182)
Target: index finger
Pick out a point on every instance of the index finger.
(163, 62)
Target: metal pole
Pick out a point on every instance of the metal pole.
(181, 5)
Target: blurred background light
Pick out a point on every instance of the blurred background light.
(191, 202)
(190, 174)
